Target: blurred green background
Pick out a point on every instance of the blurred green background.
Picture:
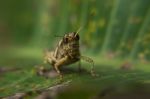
(117, 27)
(117, 31)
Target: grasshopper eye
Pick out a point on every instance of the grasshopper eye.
(65, 40)
(77, 37)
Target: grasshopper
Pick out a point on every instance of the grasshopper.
(67, 52)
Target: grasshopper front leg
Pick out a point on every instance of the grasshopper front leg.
(87, 59)
(59, 63)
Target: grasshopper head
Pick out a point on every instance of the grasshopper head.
(73, 36)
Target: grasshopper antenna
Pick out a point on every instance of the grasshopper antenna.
(58, 36)
(78, 31)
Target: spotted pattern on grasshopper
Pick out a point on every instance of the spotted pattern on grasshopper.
(67, 52)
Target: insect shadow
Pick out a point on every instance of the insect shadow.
(51, 73)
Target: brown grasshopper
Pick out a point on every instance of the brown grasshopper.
(67, 52)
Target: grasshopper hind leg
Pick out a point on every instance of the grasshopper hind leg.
(49, 58)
